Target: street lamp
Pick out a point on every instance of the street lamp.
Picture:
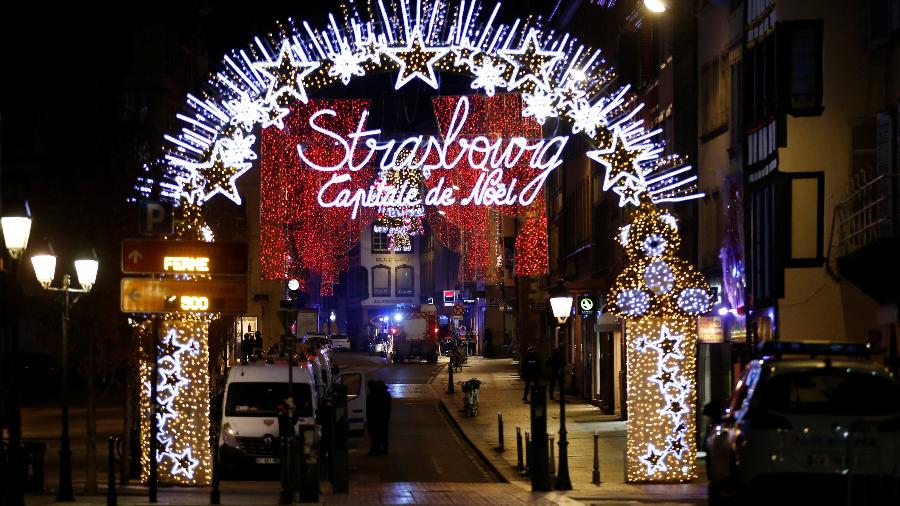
(16, 227)
(657, 6)
(561, 305)
(45, 272)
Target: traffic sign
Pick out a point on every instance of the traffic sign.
(145, 295)
(140, 256)
(586, 304)
(459, 310)
(156, 217)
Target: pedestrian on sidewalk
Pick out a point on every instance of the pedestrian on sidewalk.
(531, 369)
(385, 399)
(373, 418)
(555, 364)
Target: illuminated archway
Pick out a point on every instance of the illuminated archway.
(552, 77)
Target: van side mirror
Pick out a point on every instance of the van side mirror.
(713, 410)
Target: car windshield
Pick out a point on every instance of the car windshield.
(340, 337)
(262, 399)
(829, 392)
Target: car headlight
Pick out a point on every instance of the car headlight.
(228, 435)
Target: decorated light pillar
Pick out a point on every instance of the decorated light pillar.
(659, 296)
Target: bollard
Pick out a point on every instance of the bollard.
(287, 494)
(552, 461)
(520, 464)
(595, 479)
(527, 453)
(111, 499)
(500, 431)
(450, 388)
(214, 495)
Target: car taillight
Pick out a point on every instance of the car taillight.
(766, 420)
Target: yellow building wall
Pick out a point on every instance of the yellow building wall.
(815, 306)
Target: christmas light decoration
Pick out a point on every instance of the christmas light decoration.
(416, 60)
(659, 296)
(555, 73)
(182, 419)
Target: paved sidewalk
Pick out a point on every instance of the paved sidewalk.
(502, 392)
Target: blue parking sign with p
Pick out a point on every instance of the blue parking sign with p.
(156, 217)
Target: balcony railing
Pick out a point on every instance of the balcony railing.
(869, 213)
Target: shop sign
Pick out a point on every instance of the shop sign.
(709, 330)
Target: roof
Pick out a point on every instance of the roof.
(262, 373)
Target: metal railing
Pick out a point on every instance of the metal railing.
(869, 213)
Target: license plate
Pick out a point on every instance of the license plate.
(266, 460)
(828, 460)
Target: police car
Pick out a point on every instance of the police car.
(807, 422)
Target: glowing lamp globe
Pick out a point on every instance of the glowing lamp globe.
(86, 270)
(15, 233)
(655, 5)
(561, 302)
(44, 269)
(293, 284)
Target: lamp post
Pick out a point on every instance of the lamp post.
(45, 271)
(561, 305)
(16, 228)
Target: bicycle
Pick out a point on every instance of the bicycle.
(470, 399)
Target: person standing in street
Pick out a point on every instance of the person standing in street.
(555, 363)
(385, 399)
(531, 369)
(374, 417)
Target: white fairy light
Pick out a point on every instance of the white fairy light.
(539, 105)
(488, 75)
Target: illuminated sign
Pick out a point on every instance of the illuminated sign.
(709, 329)
(146, 295)
(186, 264)
(449, 296)
(194, 303)
(492, 156)
(158, 256)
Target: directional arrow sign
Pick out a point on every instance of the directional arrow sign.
(189, 257)
(144, 295)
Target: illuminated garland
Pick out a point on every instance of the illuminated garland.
(659, 296)
(182, 421)
(556, 76)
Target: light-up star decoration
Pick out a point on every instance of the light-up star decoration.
(286, 75)
(621, 160)
(629, 192)
(218, 176)
(416, 60)
(531, 65)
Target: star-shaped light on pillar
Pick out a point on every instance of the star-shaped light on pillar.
(653, 459)
(184, 463)
(416, 60)
(621, 160)
(286, 74)
(218, 176)
(668, 344)
(531, 65)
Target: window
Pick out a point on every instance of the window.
(380, 242)
(262, 399)
(800, 67)
(807, 218)
(715, 90)
(381, 281)
(405, 284)
(353, 382)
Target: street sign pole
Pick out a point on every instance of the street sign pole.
(154, 379)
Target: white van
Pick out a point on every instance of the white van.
(249, 433)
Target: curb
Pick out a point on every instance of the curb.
(487, 463)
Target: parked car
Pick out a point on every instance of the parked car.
(340, 342)
(823, 424)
